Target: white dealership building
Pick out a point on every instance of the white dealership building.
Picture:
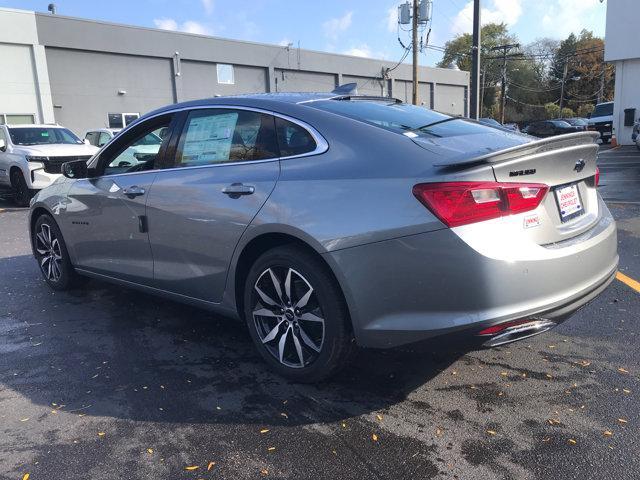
(622, 48)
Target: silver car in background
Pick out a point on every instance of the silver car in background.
(326, 221)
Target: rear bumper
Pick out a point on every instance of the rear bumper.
(414, 288)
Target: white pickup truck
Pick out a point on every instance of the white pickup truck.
(31, 157)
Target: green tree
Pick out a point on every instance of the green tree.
(458, 52)
(552, 110)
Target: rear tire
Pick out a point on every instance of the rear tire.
(21, 193)
(51, 253)
(296, 315)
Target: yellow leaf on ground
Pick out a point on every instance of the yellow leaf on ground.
(379, 417)
(622, 370)
(210, 466)
(344, 425)
(101, 434)
(25, 476)
(492, 432)
(572, 441)
(284, 415)
(24, 419)
(607, 433)
(192, 467)
(271, 449)
(150, 450)
(549, 376)
(264, 430)
(626, 390)
(504, 374)
(264, 471)
(622, 420)
(374, 437)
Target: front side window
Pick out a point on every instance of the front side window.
(92, 138)
(104, 139)
(225, 73)
(42, 136)
(293, 139)
(221, 136)
(139, 152)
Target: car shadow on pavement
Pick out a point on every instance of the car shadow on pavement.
(107, 351)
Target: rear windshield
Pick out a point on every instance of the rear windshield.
(603, 110)
(401, 117)
(42, 136)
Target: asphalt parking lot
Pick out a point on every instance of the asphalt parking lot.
(106, 383)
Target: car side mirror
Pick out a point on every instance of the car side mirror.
(3, 146)
(75, 170)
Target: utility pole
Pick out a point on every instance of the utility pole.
(414, 46)
(602, 78)
(503, 94)
(475, 63)
(564, 77)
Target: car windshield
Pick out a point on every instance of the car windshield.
(575, 121)
(42, 136)
(560, 123)
(490, 121)
(401, 117)
(603, 110)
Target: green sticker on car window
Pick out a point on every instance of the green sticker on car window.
(44, 133)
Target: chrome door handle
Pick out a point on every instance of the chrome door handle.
(237, 189)
(133, 191)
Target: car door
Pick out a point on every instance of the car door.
(106, 213)
(225, 167)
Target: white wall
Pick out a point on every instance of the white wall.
(627, 95)
(623, 30)
(23, 77)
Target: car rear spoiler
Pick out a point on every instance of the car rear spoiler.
(531, 148)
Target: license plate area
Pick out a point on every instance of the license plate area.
(569, 201)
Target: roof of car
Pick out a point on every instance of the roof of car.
(263, 99)
(111, 130)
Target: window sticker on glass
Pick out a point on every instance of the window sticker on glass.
(44, 133)
(209, 139)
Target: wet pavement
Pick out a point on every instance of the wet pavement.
(105, 383)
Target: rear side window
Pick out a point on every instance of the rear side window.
(293, 139)
(225, 135)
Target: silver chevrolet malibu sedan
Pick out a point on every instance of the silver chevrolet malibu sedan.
(326, 221)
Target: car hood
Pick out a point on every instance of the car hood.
(56, 150)
(458, 149)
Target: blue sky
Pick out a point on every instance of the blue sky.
(357, 27)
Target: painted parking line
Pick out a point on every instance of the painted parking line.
(630, 282)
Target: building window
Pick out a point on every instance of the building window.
(16, 119)
(121, 120)
(225, 73)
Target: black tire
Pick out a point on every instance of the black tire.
(62, 275)
(21, 193)
(336, 342)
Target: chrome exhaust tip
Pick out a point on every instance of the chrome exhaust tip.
(519, 332)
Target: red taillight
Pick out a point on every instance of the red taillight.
(597, 177)
(495, 329)
(460, 203)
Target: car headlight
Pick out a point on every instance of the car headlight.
(36, 159)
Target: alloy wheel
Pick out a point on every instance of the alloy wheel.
(49, 253)
(288, 317)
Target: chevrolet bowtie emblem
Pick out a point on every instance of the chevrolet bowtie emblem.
(579, 166)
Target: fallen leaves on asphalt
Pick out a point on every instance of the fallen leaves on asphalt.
(607, 433)
(622, 420)
(210, 465)
(150, 450)
(572, 441)
(26, 476)
(374, 437)
(101, 434)
(264, 430)
(622, 370)
(492, 432)
(192, 467)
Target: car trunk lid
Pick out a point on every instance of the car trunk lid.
(566, 163)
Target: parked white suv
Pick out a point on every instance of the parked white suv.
(138, 152)
(31, 157)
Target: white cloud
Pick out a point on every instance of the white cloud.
(362, 50)
(392, 19)
(285, 42)
(567, 16)
(498, 11)
(189, 26)
(166, 23)
(208, 6)
(335, 26)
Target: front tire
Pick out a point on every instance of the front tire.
(296, 315)
(52, 255)
(21, 193)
